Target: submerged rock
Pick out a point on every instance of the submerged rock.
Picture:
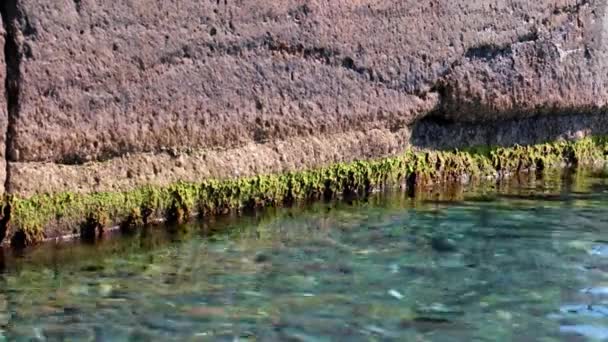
(441, 244)
(262, 258)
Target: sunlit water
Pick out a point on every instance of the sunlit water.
(523, 263)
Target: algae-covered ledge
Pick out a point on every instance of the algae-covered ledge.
(40, 217)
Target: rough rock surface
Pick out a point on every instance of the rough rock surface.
(129, 171)
(3, 109)
(125, 80)
(559, 65)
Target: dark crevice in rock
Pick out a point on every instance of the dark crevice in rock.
(200, 50)
(300, 12)
(332, 58)
(12, 55)
(531, 36)
(435, 132)
(4, 221)
(488, 51)
(9, 13)
(325, 55)
(78, 5)
(571, 9)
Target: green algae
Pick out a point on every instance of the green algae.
(30, 217)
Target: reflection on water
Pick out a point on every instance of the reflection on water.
(521, 263)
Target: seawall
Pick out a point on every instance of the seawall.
(117, 112)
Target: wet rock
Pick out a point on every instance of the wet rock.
(105, 289)
(396, 294)
(379, 331)
(424, 323)
(345, 269)
(71, 310)
(437, 309)
(67, 333)
(441, 244)
(262, 258)
(92, 268)
(166, 324)
(206, 311)
(140, 335)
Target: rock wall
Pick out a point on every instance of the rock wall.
(132, 80)
(3, 108)
(142, 76)
(111, 95)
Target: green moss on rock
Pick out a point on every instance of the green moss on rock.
(32, 217)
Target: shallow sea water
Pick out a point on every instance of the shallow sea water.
(524, 262)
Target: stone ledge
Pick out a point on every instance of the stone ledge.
(44, 216)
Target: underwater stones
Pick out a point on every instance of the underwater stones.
(262, 257)
(425, 324)
(93, 226)
(63, 332)
(443, 245)
(206, 312)
(133, 221)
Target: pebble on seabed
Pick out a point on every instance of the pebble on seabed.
(441, 244)
(396, 294)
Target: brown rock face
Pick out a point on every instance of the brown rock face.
(3, 109)
(96, 80)
(102, 78)
(108, 77)
(558, 65)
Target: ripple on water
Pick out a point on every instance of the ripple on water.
(589, 331)
(584, 310)
(600, 250)
(601, 291)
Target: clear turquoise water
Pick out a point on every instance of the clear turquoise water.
(515, 263)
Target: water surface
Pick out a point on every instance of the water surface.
(522, 262)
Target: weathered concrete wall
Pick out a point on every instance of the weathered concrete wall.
(111, 95)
